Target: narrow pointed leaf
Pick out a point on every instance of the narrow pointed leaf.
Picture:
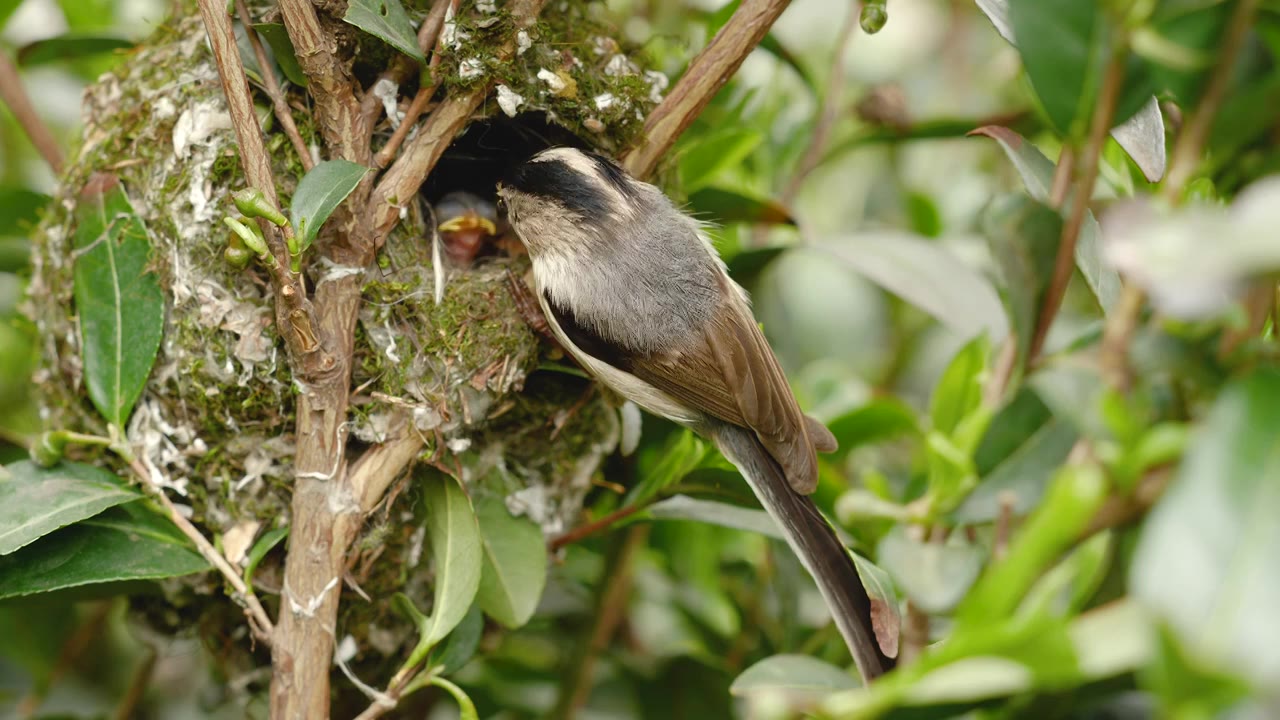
(118, 298)
(282, 49)
(35, 501)
(70, 46)
(319, 193)
(793, 674)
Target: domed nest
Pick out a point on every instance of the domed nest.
(498, 407)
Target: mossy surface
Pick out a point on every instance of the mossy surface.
(216, 417)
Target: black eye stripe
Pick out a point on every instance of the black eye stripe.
(555, 180)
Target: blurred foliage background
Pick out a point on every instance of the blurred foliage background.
(889, 256)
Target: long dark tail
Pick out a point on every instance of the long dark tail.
(814, 542)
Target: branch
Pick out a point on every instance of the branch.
(421, 99)
(337, 112)
(295, 318)
(278, 103)
(402, 67)
(259, 623)
(381, 464)
(830, 113)
(1187, 149)
(1112, 80)
(15, 96)
(420, 155)
(707, 73)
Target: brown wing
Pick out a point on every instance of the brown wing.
(732, 374)
(728, 372)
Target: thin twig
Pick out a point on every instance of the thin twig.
(419, 156)
(831, 110)
(380, 465)
(420, 100)
(1186, 157)
(274, 91)
(1112, 79)
(585, 531)
(74, 647)
(128, 706)
(402, 67)
(707, 73)
(259, 623)
(611, 606)
(15, 96)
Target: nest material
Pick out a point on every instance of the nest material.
(216, 417)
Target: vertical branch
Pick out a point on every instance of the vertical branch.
(1112, 80)
(707, 73)
(15, 96)
(1187, 149)
(278, 104)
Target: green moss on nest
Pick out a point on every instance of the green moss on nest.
(217, 413)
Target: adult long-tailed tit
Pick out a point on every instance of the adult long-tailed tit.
(632, 289)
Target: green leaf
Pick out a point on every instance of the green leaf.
(123, 543)
(935, 576)
(683, 507)
(1074, 496)
(724, 207)
(1036, 172)
(20, 210)
(458, 649)
(319, 193)
(701, 162)
(1206, 561)
(6, 9)
(682, 453)
(269, 540)
(1181, 45)
(1023, 235)
(792, 674)
(454, 537)
(878, 420)
(70, 46)
(1064, 61)
(118, 298)
(386, 20)
(515, 564)
(35, 501)
(282, 49)
(926, 275)
(959, 391)
(1022, 474)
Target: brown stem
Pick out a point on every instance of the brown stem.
(278, 104)
(1062, 177)
(611, 606)
(831, 108)
(128, 706)
(294, 315)
(15, 96)
(707, 73)
(1187, 149)
(420, 100)
(409, 171)
(915, 634)
(259, 622)
(1112, 79)
(585, 531)
(402, 67)
(337, 111)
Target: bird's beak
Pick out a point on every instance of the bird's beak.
(468, 221)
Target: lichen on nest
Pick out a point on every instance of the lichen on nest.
(215, 419)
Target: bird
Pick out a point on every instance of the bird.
(634, 290)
